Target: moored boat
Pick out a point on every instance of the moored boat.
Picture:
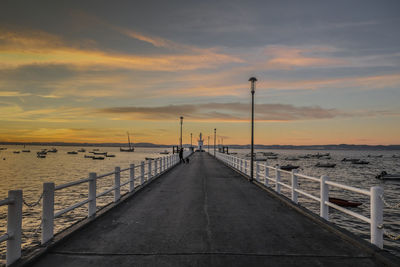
(344, 202)
(110, 155)
(81, 150)
(97, 158)
(385, 176)
(325, 165)
(130, 149)
(289, 167)
(72, 152)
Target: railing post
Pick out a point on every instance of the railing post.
(48, 212)
(148, 170)
(257, 172)
(141, 172)
(324, 210)
(266, 173)
(277, 179)
(117, 184)
(92, 194)
(14, 226)
(295, 185)
(155, 167)
(245, 166)
(241, 165)
(377, 216)
(132, 178)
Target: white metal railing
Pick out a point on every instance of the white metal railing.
(14, 225)
(375, 193)
(14, 201)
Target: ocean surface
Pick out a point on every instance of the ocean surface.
(27, 172)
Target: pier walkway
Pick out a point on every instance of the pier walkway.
(204, 214)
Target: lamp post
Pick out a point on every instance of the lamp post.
(253, 87)
(208, 144)
(215, 138)
(191, 140)
(181, 132)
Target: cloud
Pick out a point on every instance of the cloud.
(222, 112)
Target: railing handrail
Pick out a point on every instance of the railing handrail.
(375, 193)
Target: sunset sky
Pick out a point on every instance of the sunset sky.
(89, 71)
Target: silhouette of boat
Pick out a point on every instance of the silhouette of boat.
(41, 156)
(344, 202)
(100, 153)
(53, 150)
(385, 176)
(325, 165)
(72, 152)
(130, 149)
(110, 155)
(26, 150)
(360, 162)
(289, 167)
(16, 152)
(81, 150)
(97, 158)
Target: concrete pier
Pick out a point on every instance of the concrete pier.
(205, 214)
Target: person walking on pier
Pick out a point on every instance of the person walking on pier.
(181, 156)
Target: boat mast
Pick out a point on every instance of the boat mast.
(129, 141)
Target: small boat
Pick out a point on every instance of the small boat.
(3, 148)
(325, 165)
(41, 156)
(291, 158)
(88, 157)
(43, 152)
(147, 158)
(289, 167)
(360, 162)
(98, 158)
(350, 160)
(130, 149)
(343, 202)
(81, 150)
(16, 152)
(72, 152)
(26, 150)
(269, 154)
(53, 150)
(272, 157)
(100, 153)
(165, 152)
(110, 155)
(385, 176)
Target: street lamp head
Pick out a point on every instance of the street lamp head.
(181, 118)
(253, 81)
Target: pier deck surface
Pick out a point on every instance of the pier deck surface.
(204, 214)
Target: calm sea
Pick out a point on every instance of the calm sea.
(27, 172)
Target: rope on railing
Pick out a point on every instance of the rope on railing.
(391, 236)
(396, 206)
(31, 205)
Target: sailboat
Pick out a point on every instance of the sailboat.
(130, 149)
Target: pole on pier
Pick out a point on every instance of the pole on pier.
(92, 194)
(295, 185)
(208, 144)
(180, 140)
(377, 216)
(48, 212)
(215, 138)
(324, 209)
(132, 178)
(253, 81)
(191, 137)
(141, 172)
(14, 226)
(117, 184)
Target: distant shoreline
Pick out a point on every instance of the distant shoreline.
(305, 147)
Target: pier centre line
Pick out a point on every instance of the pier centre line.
(204, 213)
